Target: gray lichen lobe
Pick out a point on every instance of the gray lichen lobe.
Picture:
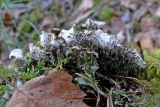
(112, 58)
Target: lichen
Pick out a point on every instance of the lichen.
(87, 52)
(115, 58)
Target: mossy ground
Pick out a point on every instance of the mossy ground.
(7, 75)
(152, 57)
(151, 85)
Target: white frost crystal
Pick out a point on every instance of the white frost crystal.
(91, 24)
(67, 35)
(37, 53)
(16, 53)
(104, 39)
(139, 60)
(47, 39)
(19, 59)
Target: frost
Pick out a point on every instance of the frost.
(17, 53)
(91, 24)
(36, 52)
(48, 39)
(139, 61)
(67, 35)
(104, 39)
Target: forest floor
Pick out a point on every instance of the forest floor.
(136, 24)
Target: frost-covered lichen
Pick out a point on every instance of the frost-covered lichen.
(37, 52)
(113, 58)
(96, 60)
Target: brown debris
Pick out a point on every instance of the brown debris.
(54, 90)
(7, 19)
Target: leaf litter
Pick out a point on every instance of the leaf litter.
(132, 6)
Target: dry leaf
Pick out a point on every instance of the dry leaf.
(140, 12)
(129, 4)
(82, 12)
(7, 19)
(145, 39)
(54, 90)
(48, 22)
(117, 25)
(148, 24)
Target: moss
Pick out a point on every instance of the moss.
(2, 89)
(107, 13)
(25, 16)
(97, 2)
(153, 86)
(56, 8)
(136, 26)
(24, 27)
(152, 57)
(6, 73)
(34, 36)
(36, 15)
(25, 76)
(152, 93)
(151, 97)
(153, 60)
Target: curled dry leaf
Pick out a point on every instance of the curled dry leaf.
(56, 89)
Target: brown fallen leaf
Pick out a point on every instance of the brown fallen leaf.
(148, 24)
(145, 40)
(129, 4)
(48, 22)
(149, 39)
(7, 19)
(54, 90)
(116, 25)
(140, 12)
(82, 12)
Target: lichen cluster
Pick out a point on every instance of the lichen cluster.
(112, 58)
(85, 51)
